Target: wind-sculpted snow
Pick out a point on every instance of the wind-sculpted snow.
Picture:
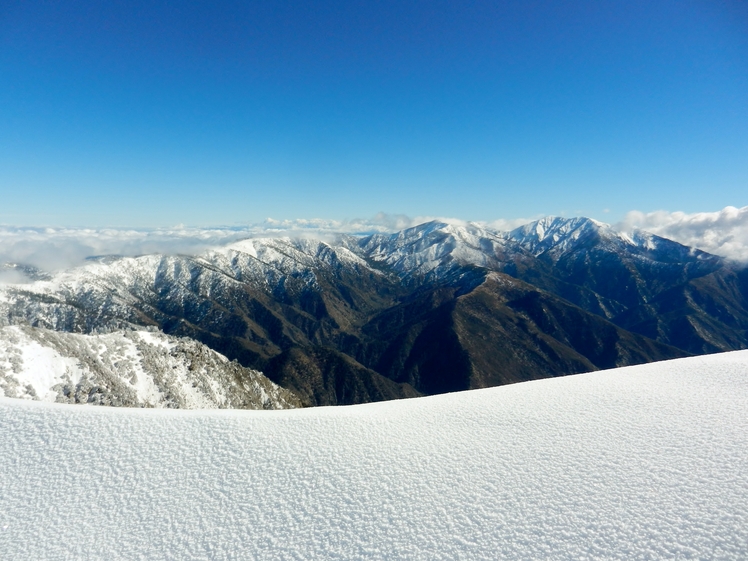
(129, 368)
(647, 462)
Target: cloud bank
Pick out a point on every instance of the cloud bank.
(52, 249)
(724, 232)
(55, 248)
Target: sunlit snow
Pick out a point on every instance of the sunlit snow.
(646, 462)
(129, 368)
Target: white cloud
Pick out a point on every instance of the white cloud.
(724, 232)
(56, 248)
(505, 225)
(11, 276)
(380, 223)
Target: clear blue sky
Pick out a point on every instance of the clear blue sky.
(129, 113)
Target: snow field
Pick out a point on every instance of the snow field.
(645, 462)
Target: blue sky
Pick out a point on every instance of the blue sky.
(203, 113)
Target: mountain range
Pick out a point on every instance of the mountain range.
(431, 309)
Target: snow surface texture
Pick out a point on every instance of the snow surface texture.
(645, 462)
(131, 369)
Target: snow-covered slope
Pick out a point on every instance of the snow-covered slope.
(129, 368)
(646, 462)
(432, 250)
(555, 237)
(435, 249)
(383, 302)
(109, 288)
(557, 234)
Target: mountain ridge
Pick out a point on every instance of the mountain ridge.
(258, 299)
(129, 369)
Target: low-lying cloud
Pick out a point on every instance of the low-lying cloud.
(52, 249)
(56, 248)
(724, 232)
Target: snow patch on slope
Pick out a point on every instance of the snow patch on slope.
(558, 235)
(113, 286)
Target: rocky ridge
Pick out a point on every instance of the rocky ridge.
(129, 369)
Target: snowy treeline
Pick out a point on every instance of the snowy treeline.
(129, 368)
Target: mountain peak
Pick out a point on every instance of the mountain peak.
(434, 248)
(555, 232)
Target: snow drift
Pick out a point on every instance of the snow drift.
(645, 462)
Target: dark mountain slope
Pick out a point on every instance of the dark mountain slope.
(323, 376)
(705, 315)
(644, 283)
(502, 331)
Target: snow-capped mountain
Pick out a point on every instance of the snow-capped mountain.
(558, 235)
(555, 237)
(249, 300)
(131, 369)
(436, 250)
(439, 307)
(109, 290)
